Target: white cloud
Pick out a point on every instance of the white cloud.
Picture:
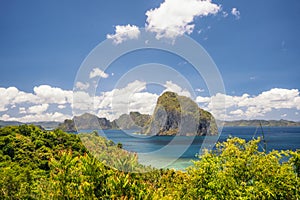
(123, 33)
(284, 115)
(225, 14)
(132, 97)
(236, 13)
(5, 117)
(175, 17)
(82, 86)
(38, 106)
(48, 94)
(24, 97)
(170, 86)
(61, 106)
(82, 102)
(34, 104)
(38, 109)
(7, 95)
(247, 106)
(55, 116)
(22, 110)
(199, 90)
(237, 112)
(96, 72)
(204, 100)
(11, 96)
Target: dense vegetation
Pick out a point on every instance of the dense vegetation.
(39, 164)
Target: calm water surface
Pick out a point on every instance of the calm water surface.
(177, 152)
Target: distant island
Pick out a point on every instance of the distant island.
(68, 125)
(179, 115)
(173, 115)
(258, 122)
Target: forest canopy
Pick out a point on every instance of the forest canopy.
(39, 164)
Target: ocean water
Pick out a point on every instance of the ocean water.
(178, 152)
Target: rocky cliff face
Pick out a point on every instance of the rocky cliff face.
(173, 115)
(179, 115)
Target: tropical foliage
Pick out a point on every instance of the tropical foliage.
(38, 164)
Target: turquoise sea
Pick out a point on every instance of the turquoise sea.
(177, 152)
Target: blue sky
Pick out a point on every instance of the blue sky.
(255, 45)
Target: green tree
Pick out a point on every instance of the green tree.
(237, 170)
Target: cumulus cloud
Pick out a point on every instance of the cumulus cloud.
(22, 110)
(82, 86)
(11, 96)
(96, 72)
(172, 87)
(61, 106)
(203, 100)
(135, 97)
(132, 97)
(123, 33)
(48, 94)
(199, 90)
(7, 95)
(53, 116)
(33, 104)
(176, 17)
(38, 109)
(5, 117)
(284, 115)
(235, 12)
(238, 112)
(82, 101)
(247, 106)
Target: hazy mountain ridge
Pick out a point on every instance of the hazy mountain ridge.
(69, 126)
(257, 122)
(44, 124)
(86, 121)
